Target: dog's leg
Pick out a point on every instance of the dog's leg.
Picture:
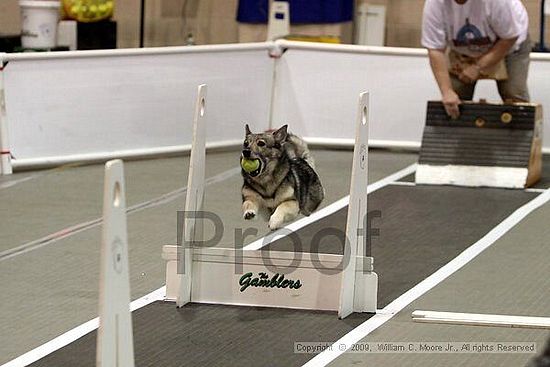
(251, 203)
(285, 212)
(250, 209)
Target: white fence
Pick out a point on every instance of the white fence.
(94, 105)
(316, 87)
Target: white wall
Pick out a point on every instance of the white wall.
(317, 87)
(317, 93)
(111, 103)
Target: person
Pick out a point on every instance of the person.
(468, 40)
(543, 359)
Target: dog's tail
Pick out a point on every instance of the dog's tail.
(307, 186)
(306, 156)
(299, 149)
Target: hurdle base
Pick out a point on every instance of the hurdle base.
(472, 176)
(366, 292)
(218, 273)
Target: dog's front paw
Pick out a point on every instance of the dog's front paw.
(275, 222)
(249, 214)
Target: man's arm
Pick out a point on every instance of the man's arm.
(487, 60)
(438, 63)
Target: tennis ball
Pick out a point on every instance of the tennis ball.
(250, 165)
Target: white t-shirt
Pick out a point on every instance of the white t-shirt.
(473, 27)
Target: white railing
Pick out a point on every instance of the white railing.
(96, 105)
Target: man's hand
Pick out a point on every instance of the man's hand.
(450, 102)
(450, 99)
(470, 74)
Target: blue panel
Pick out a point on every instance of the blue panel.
(253, 11)
(301, 11)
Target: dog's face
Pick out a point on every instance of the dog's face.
(264, 147)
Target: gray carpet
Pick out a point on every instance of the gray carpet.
(512, 277)
(421, 228)
(52, 289)
(415, 240)
(209, 335)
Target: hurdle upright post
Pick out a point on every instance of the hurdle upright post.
(192, 226)
(115, 345)
(359, 284)
(5, 154)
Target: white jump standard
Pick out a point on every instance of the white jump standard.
(115, 346)
(234, 276)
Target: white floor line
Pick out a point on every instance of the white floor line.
(534, 189)
(402, 183)
(11, 183)
(424, 286)
(328, 210)
(77, 228)
(78, 332)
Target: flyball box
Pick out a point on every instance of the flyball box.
(493, 145)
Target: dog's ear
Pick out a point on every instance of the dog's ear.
(280, 134)
(247, 130)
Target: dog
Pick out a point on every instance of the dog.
(279, 177)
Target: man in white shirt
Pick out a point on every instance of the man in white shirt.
(486, 39)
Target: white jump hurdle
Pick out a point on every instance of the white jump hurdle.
(210, 276)
(115, 338)
(195, 196)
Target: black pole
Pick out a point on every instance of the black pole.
(541, 47)
(141, 23)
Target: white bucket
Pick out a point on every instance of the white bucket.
(39, 20)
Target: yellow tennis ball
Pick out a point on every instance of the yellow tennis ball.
(250, 165)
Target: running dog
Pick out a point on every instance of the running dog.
(279, 177)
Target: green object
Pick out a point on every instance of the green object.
(250, 165)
